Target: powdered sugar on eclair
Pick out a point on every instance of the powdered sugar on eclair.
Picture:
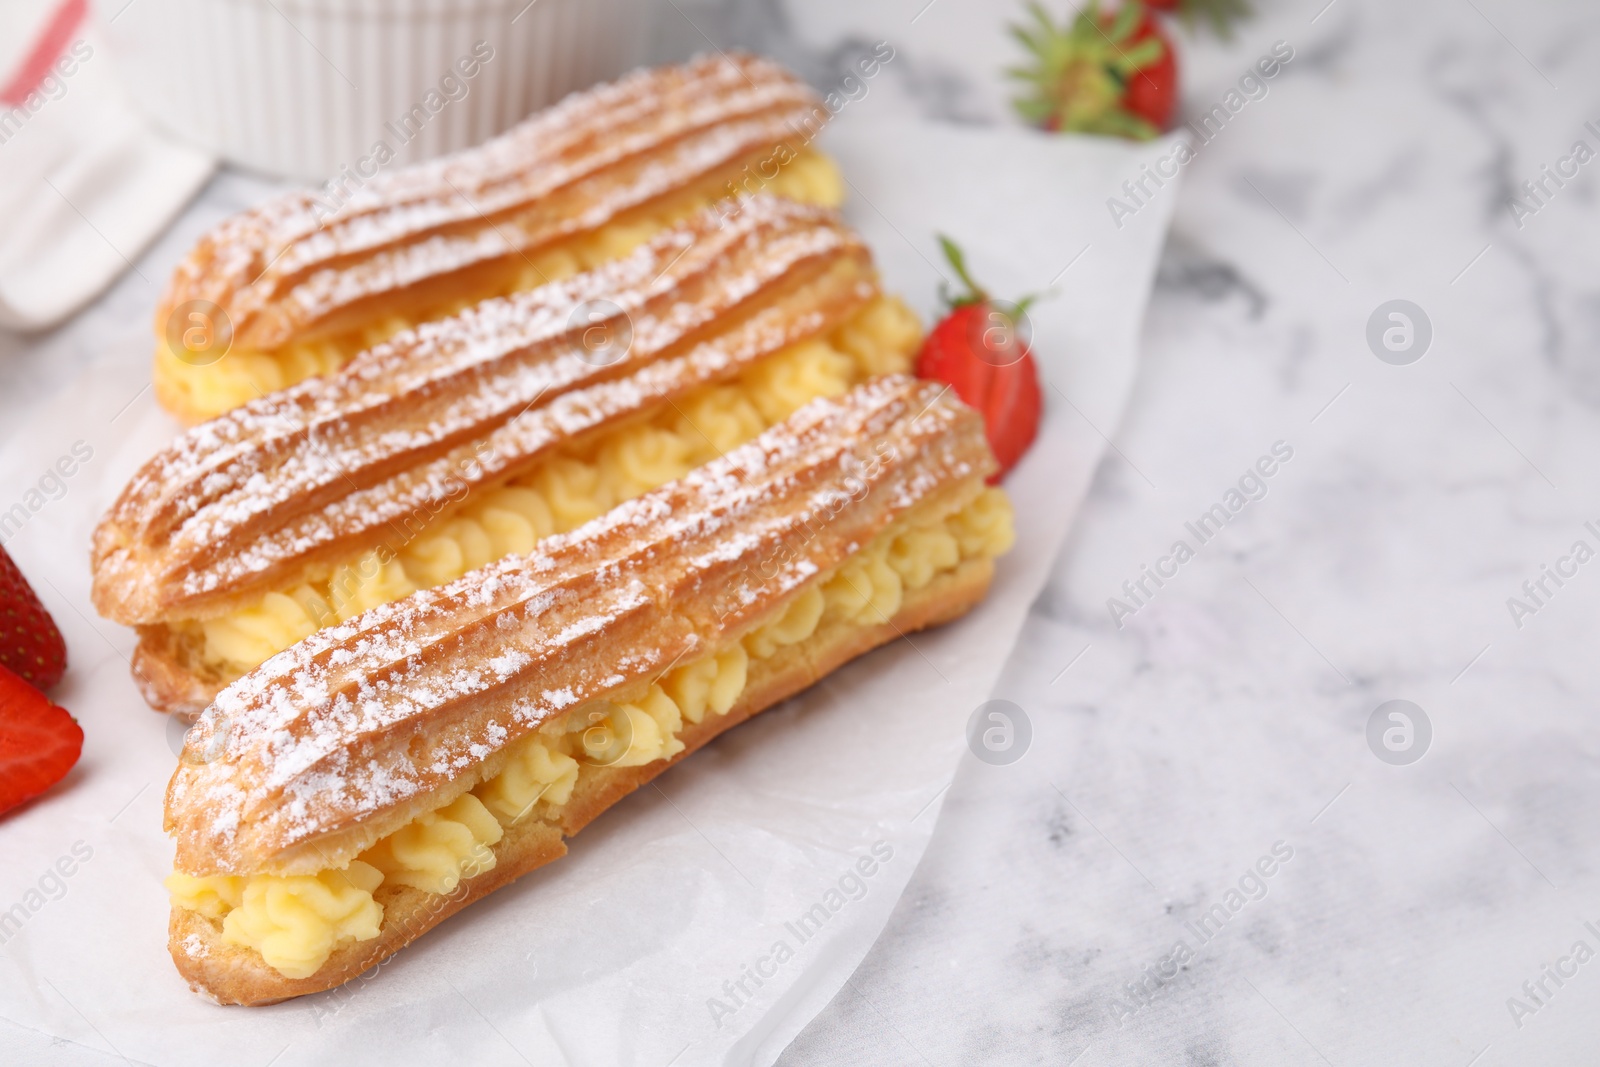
(286, 265)
(406, 700)
(239, 502)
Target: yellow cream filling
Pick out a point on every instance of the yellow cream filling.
(568, 490)
(242, 374)
(213, 896)
(631, 735)
(711, 684)
(438, 849)
(534, 772)
(296, 921)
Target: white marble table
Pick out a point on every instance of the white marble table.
(1230, 712)
(1226, 719)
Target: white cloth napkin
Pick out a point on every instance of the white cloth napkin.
(622, 952)
(85, 183)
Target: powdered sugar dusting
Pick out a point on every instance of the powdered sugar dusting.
(293, 261)
(362, 716)
(352, 460)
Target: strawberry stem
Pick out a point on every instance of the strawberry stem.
(975, 293)
(1079, 72)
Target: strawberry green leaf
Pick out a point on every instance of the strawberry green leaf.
(958, 263)
(1122, 26)
(1077, 75)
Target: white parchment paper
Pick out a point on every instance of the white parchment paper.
(657, 940)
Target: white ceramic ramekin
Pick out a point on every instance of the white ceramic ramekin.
(302, 88)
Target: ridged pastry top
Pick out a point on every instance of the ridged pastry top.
(297, 262)
(335, 466)
(348, 726)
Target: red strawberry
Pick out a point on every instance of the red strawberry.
(979, 351)
(1112, 73)
(39, 742)
(30, 644)
(1222, 14)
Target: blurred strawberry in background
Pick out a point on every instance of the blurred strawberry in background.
(1108, 72)
(30, 644)
(39, 742)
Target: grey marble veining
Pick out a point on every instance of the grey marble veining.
(1230, 712)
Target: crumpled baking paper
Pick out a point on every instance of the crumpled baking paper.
(703, 920)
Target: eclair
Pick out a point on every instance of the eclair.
(299, 285)
(464, 440)
(357, 789)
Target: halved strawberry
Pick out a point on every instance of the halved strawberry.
(1111, 72)
(979, 350)
(39, 742)
(30, 644)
